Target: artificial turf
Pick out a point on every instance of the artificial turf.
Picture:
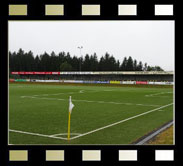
(42, 109)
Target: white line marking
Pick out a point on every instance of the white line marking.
(156, 94)
(66, 134)
(82, 91)
(161, 110)
(66, 93)
(52, 94)
(81, 135)
(168, 97)
(124, 120)
(88, 101)
(37, 134)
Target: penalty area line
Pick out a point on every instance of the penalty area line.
(90, 101)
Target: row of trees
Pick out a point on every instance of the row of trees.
(26, 61)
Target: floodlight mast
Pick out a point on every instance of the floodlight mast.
(80, 57)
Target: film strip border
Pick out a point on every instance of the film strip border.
(90, 155)
(92, 9)
(89, 9)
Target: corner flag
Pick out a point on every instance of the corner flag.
(71, 105)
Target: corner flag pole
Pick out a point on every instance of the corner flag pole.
(71, 105)
(69, 126)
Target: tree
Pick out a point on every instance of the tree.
(135, 65)
(117, 65)
(54, 62)
(145, 67)
(154, 68)
(94, 62)
(81, 61)
(45, 62)
(140, 66)
(86, 63)
(129, 64)
(26, 61)
(124, 64)
(106, 62)
(75, 64)
(158, 68)
(37, 64)
(112, 64)
(10, 62)
(29, 61)
(101, 64)
(65, 67)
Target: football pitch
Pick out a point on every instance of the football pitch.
(38, 113)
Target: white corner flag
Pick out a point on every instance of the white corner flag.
(71, 105)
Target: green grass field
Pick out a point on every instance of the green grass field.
(38, 113)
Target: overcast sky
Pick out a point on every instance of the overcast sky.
(146, 41)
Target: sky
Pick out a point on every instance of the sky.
(151, 42)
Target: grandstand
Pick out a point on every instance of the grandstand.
(117, 77)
